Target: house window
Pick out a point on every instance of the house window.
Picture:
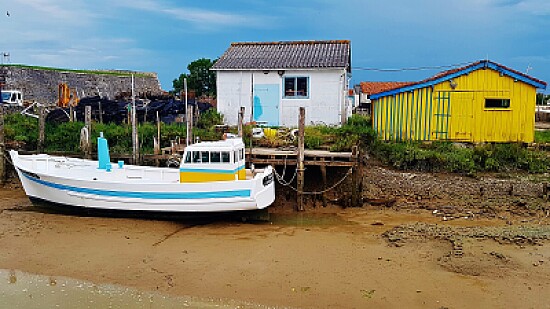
(497, 103)
(296, 87)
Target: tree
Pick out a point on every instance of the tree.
(542, 99)
(200, 78)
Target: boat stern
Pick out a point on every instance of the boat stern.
(265, 188)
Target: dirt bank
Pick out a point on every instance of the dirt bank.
(435, 241)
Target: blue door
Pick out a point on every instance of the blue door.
(266, 104)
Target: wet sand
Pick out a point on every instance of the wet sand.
(335, 260)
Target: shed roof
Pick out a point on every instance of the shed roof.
(286, 55)
(377, 87)
(450, 74)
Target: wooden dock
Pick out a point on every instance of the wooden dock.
(287, 156)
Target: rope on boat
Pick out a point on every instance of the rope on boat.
(284, 183)
(7, 158)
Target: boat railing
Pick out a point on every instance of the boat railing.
(140, 172)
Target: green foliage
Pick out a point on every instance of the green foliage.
(542, 136)
(444, 156)
(65, 137)
(200, 78)
(209, 119)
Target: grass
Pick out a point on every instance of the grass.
(542, 136)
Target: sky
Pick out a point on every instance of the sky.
(164, 36)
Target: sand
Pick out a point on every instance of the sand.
(334, 260)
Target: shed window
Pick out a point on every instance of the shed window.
(497, 103)
(296, 87)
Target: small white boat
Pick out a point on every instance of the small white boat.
(211, 178)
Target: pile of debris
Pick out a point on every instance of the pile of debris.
(117, 111)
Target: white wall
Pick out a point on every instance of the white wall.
(325, 104)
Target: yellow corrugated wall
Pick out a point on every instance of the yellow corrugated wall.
(459, 114)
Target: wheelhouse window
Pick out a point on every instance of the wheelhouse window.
(215, 157)
(296, 87)
(225, 156)
(497, 103)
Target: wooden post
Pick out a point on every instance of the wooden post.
(2, 148)
(100, 113)
(241, 119)
(157, 144)
(71, 113)
(88, 126)
(41, 128)
(300, 167)
(355, 178)
(324, 176)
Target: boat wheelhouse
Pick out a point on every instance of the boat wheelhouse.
(213, 161)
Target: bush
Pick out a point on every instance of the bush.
(444, 156)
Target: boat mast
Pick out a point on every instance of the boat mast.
(186, 113)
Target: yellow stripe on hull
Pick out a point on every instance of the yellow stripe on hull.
(242, 174)
(208, 177)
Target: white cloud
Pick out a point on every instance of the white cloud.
(535, 7)
(198, 17)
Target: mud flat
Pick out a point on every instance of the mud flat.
(371, 257)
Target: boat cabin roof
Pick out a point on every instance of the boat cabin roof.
(228, 144)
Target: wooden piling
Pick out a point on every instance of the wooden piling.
(355, 179)
(300, 167)
(2, 148)
(71, 113)
(41, 128)
(324, 177)
(88, 126)
(100, 113)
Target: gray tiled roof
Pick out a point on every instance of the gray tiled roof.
(285, 55)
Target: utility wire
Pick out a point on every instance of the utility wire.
(411, 69)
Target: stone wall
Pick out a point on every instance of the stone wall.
(41, 85)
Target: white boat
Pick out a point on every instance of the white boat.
(211, 178)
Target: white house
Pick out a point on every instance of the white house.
(272, 80)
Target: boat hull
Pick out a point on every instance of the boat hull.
(78, 183)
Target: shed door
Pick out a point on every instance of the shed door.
(266, 104)
(462, 120)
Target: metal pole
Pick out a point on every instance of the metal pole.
(251, 97)
(187, 115)
(2, 146)
(241, 119)
(41, 128)
(135, 150)
(88, 125)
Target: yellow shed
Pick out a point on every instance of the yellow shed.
(481, 102)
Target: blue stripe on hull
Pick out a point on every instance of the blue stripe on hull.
(145, 195)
